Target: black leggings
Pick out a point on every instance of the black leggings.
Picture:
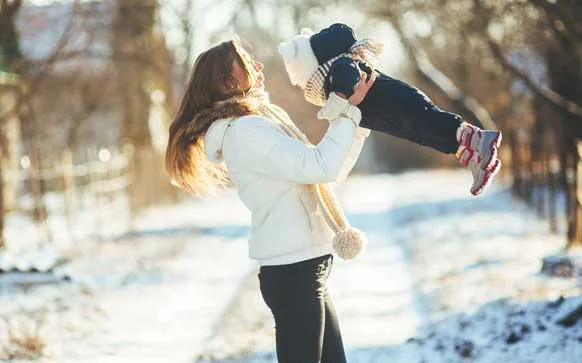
(307, 330)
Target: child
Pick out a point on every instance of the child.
(330, 63)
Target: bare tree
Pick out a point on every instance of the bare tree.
(477, 40)
(134, 34)
(10, 62)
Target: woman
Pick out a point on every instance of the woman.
(225, 116)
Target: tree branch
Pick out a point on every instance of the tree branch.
(12, 8)
(555, 11)
(427, 69)
(542, 91)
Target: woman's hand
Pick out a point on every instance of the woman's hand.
(361, 89)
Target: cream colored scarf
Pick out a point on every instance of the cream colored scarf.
(348, 241)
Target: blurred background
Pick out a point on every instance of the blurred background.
(88, 88)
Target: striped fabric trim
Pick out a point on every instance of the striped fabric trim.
(364, 50)
(314, 90)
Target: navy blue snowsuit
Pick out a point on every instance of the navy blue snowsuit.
(391, 106)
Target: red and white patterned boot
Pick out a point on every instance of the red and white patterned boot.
(481, 177)
(484, 142)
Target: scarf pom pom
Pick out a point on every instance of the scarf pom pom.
(349, 243)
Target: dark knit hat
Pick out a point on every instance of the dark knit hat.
(308, 56)
(332, 41)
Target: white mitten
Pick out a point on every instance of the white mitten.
(335, 106)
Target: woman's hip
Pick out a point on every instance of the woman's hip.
(295, 283)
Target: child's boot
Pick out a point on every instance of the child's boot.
(481, 177)
(484, 142)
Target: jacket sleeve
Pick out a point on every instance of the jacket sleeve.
(354, 154)
(257, 144)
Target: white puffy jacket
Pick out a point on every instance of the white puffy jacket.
(267, 166)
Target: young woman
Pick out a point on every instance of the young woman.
(225, 116)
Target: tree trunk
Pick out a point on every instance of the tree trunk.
(577, 233)
(189, 37)
(553, 192)
(10, 62)
(32, 146)
(132, 34)
(565, 77)
(570, 171)
(149, 73)
(10, 55)
(516, 162)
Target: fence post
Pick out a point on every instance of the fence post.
(2, 211)
(128, 150)
(89, 188)
(69, 187)
(541, 180)
(553, 168)
(525, 149)
(540, 173)
(515, 161)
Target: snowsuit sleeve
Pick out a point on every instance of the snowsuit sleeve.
(343, 77)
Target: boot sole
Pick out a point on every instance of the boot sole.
(488, 178)
(493, 146)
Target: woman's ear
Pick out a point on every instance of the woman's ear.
(227, 81)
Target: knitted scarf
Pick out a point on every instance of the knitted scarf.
(364, 49)
(348, 241)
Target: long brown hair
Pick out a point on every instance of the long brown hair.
(211, 75)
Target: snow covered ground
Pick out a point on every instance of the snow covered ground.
(446, 278)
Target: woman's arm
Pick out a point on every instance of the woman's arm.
(354, 154)
(256, 143)
(331, 110)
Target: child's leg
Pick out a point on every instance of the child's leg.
(435, 128)
(401, 110)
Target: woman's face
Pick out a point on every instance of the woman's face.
(256, 69)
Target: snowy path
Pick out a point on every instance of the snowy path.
(429, 257)
(391, 293)
(376, 296)
(172, 319)
(157, 307)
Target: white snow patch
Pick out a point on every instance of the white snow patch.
(458, 274)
